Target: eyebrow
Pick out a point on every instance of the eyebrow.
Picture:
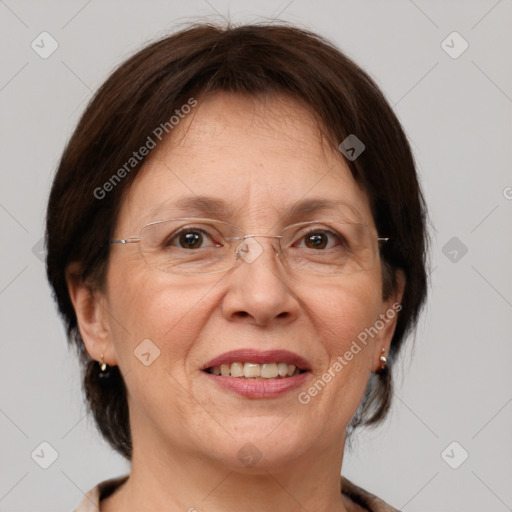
(308, 207)
(193, 205)
(220, 209)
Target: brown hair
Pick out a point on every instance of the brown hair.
(146, 90)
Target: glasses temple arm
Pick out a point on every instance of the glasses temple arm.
(124, 241)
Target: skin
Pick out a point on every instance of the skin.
(260, 156)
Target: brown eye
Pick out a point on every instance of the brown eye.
(190, 239)
(321, 240)
(316, 240)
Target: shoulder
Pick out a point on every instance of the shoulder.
(91, 500)
(362, 498)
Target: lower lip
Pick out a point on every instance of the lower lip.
(259, 388)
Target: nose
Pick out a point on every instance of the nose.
(259, 289)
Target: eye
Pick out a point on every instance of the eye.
(193, 238)
(190, 239)
(322, 239)
(316, 240)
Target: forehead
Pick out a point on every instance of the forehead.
(244, 160)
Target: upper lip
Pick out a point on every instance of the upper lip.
(259, 357)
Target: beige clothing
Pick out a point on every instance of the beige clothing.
(359, 498)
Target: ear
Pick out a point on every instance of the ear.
(388, 318)
(92, 316)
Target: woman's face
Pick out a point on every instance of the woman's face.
(258, 159)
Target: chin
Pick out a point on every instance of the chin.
(260, 444)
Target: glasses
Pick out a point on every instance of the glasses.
(191, 246)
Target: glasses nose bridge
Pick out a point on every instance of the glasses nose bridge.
(250, 252)
(265, 235)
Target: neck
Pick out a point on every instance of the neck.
(171, 480)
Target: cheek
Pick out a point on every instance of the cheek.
(157, 321)
(341, 312)
(345, 308)
(154, 306)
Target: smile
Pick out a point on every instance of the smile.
(253, 373)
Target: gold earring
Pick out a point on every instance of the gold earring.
(103, 365)
(383, 360)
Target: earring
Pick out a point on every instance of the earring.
(104, 373)
(383, 360)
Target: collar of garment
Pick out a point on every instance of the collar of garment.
(357, 499)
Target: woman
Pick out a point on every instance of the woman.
(236, 241)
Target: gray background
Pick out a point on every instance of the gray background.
(457, 113)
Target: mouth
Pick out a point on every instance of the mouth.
(256, 364)
(256, 374)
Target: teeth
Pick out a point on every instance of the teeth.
(255, 371)
(282, 369)
(250, 370)
(237, 370)
(269, 371)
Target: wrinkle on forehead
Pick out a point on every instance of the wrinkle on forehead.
(269, 114)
